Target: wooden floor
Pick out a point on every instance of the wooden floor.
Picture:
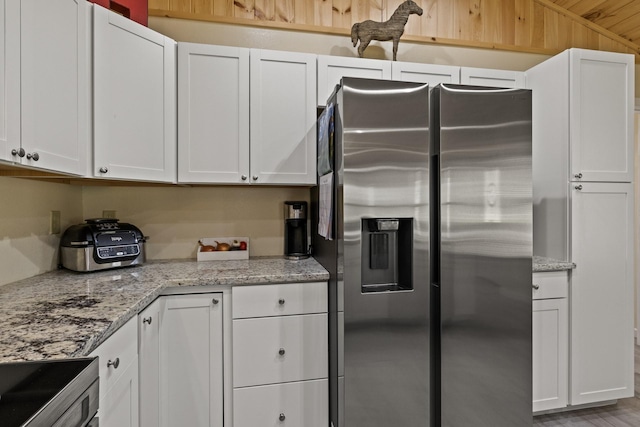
(626, 413)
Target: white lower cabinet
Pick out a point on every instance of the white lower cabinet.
(119, 407)
(280, 355)
(292, 404)
(191, 379)
(118, 372)
(550, 341)
(149, 363)
(602, 292)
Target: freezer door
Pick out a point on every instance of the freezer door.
(486, 251)
(383, 180)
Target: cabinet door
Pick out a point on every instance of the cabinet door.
(134, 100)
(149, 364)
(492, 78)
(213, 114)
(9, 79)
(602, 327)
(601, 118)
(550, 354)
(333, 68)
(119, 407)
(54, 84)
(283, 117)
(424, 73)
(191, 385)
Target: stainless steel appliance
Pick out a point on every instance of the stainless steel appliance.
(101, 243)
(296, 244)
(429, 252)
(56, 393)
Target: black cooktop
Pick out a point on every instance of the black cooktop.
(27, 387)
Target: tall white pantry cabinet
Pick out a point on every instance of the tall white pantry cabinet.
(583, 200)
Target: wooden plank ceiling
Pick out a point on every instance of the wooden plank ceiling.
(539, 26)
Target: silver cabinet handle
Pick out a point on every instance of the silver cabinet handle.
(281, 301)
(215, 301)
(147, 320)
(115, 363)
(18, 152)
(34, 156)
(244, 177)
(282, 417)
(578, 175)
(255, 177)
(578, 187)
(104, 170)
(281, 352)
(536, 287)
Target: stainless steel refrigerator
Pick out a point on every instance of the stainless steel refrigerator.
(423, 218)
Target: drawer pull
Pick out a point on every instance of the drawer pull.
(281, 352)
(536, 287)
(115, 363)
(147, 320)
(215, 301)
(282, 417)
(281, 301)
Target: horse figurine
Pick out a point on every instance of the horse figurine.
(384, 31)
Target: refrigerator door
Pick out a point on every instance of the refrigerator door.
(486, 251)
(382, 137)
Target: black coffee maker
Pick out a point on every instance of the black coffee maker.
(295, 230)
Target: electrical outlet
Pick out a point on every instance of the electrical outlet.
(54, 222)
(108, 214)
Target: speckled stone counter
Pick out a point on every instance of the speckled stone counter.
(550, 264)
(65, 314)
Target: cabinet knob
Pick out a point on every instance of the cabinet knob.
(254, 177)
(18, 152)
(281, 352)
(282, 417)
(536, 287)
(281, 301)
(147, 320)
(33, 156)
(104, 170)
(578, 187)
(215, 301)
(244, 177)
(115, 363)
(578, 175)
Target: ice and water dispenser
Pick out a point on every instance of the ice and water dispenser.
(387, 254)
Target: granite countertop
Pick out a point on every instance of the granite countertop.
(550, 264)
(64, 314)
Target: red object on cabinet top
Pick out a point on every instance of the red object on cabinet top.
(136, 10)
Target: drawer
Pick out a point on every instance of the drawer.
(279, 300)
(122, 347)
(271, 350)
(292, 404)
(551, 284)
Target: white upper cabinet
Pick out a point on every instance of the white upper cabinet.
(45, 86)
(246, 116)
(424, 73)
(134, 100)
(333, 68)
(283, 117)
(583, 117)
(492, 78)
(213, 114)
(601, 115)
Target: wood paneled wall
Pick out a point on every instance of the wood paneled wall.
(538, 26)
